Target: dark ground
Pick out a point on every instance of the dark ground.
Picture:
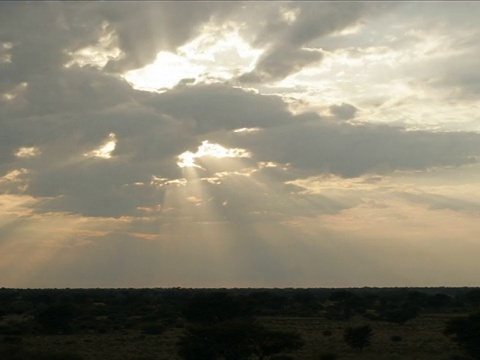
(148, 324)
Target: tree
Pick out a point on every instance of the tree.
(466, 333)
(235, 339)
(401, 314)
(358, 337)
(56, 318)
(221, 327)
(213, 307)
(270, 342)
(228, 340)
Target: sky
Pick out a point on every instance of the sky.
(239, 144)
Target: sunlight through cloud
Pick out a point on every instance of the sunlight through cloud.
(212, 56)
(104, 151)
(166, 72)
(246, 130)
(27, 152)
(187, 159)
(96, 55)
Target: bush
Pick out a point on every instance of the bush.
(153, 329)
(21, 354)
(212, 308)
(466, 333)
(269, 342)
(57, 318)
(57, 356)
(231, 339)
(234, 340)
(358, 337)
(328, 356)
(396, 338)
(12, 340)
(400, 315)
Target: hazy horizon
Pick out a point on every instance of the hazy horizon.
(239, 144)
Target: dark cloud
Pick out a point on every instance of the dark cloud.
(44, 34)
(286, 52)
(440, 202)
(144, 29)
(281, 62)
(320, 146)
(343, 111)
(152, 130)
(65, 113)
(459, 81)
(209, 108)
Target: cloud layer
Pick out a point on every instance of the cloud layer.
(327, 139)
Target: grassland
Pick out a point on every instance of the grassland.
(149, 327)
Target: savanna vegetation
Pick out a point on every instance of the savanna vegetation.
(236, 324)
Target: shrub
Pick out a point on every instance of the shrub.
(12, 340)
(328, 356)
(234, 340)
(56, 318)
(358, 337)
(153, 329)
(327, 333)
(466, 333)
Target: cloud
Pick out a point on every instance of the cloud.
(288, 33)
(343, 111)
(150, 130)
(281, 62)
(91, 190)
(209, 108)
(146, 29)
(440, 201)
(348, 150)
(79, 142)
(67, 112)
(43, 36)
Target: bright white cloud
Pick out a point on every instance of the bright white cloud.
(207, 149)
(214, 56)
(166, 72)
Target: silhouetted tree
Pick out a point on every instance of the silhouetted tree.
(269, 342)
(228, 340)
(358, 337)
(473, 297)
(235, 339)
(328, 356)
(56, 318)
(438, 301)
(213, 307)
(401, 314)
(466, 333)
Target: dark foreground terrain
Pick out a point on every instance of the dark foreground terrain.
(235, 324)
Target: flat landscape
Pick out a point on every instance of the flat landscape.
(148, 324)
